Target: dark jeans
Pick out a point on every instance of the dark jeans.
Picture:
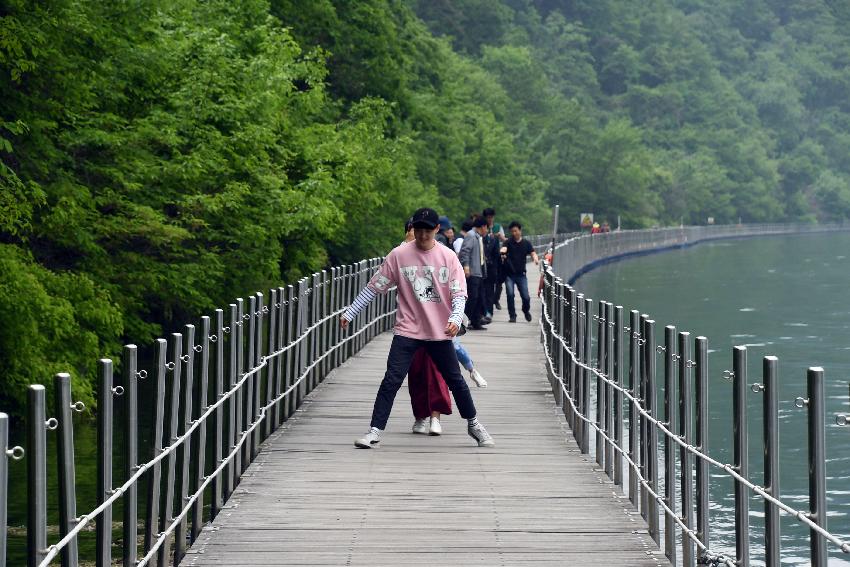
(500, 279)
(521, 282)
(489, 290)
(398, 363)
(474, 304)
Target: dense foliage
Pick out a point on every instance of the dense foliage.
(159, 158)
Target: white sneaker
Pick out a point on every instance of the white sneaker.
(477, 378)
(421, 425)
(436, 428)
(480, 434)
(369, 440)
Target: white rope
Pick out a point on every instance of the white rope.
(802, 517)
(54, 550)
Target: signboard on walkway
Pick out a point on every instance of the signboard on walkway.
(586, 220)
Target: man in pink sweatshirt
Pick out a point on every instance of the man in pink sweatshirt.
(431, 298)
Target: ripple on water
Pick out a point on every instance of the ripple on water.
(747, 309)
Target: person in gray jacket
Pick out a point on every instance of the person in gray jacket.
(474, 264)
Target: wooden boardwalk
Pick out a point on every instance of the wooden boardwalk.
(311, 498)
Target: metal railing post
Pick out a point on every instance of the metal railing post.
(550, 296)
(618, 395)
(239, 336)
(669, 444)
(573, 369)
(201, 452)
(105, 403)
(588, 337)
(686, 435)
(601, 341)
(251, 383)
(131, 453)
(363, 277)
(741, 459)
(188, 362)
(609, 390)
(231, 472)
(155, 478)
(345, 301)
(291, 335)
(652, 440)
(323, 337)
(333, 329)
(173, 431)
(36, 475)
(644, 430)
(219, 444)
(271, 375)
(634, 372)
(65, 466)
(702, 480)
(257, 379)
(578, 374)
(14, 453)
(817, 465)
(279, 384)
(299, 392)
(770, 387)
(561, 354)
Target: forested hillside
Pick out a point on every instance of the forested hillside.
(159, 158)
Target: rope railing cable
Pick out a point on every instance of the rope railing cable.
(691, 533)
(729, 469)
(162, 536)
(85, 519)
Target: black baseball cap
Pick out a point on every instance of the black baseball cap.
(425, 218)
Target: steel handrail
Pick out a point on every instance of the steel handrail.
(693, 449)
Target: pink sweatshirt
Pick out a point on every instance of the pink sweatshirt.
(428, 283)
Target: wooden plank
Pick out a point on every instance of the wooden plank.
(311, 498)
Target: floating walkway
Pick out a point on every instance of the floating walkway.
(311, 498)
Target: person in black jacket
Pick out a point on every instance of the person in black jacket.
(514, 253)
(493, 260)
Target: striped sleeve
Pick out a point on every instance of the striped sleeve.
(458, 304)
(364, 298)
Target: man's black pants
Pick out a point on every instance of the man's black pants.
(398, 364)
(474, 300)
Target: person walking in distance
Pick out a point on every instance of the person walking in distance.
(493, 261)
(472, 259)
(465, 229)
(445, 235)
(495, 228)
(514, 253)
(431, 301)
(498, 274)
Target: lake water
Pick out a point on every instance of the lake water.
(787, 296)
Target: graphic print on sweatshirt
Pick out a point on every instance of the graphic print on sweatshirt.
(423, 285)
